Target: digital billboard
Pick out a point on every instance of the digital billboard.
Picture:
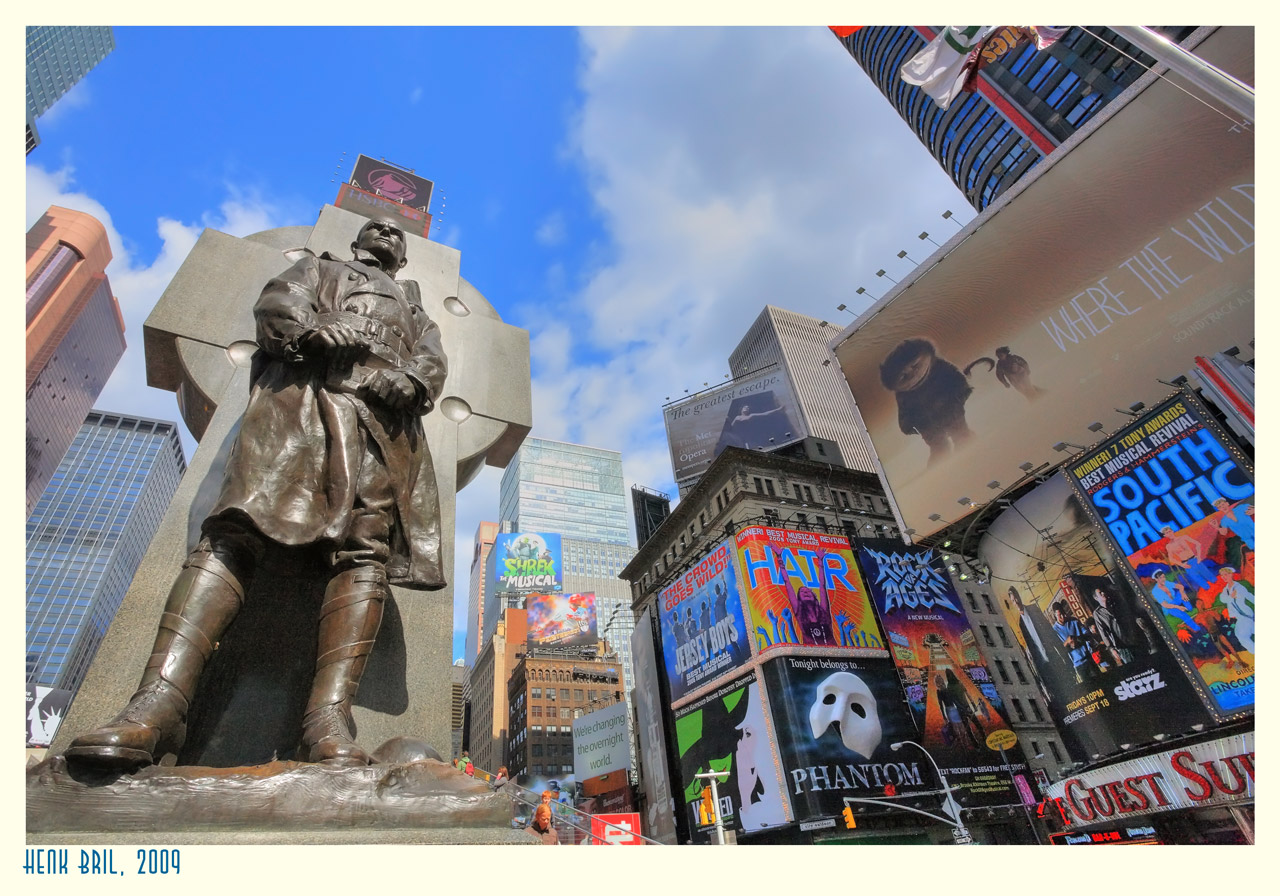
(1106, 672)
(953, 700)
(704, 636)
(600, 742)
(561, 620)
(1178, 504)
(727, 731)
(757, 411)
(836, 719)
(353, 199)
(1110, 268)
(392, 182)
(46, 708)
(659, 815)
(803, 588)
(527, 561)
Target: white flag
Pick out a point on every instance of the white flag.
(940, 68)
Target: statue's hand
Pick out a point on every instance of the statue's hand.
(336, 341)
(392, 388)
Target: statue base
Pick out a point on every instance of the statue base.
(424, 801)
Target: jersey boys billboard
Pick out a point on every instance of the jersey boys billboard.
(1108, 675)
(703, 633)
(948, 688)
(1179, 506)
(527, 561)
(803, 588)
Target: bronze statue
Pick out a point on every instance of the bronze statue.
(330, 453)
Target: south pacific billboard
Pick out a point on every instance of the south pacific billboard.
(1109, 676)
(757, 411)
(803, 588)
(953, 700)
(1178, 504)
(561, 620)
(704, 636)
(836, 720)
(727, 731)
(1110, 268)
(527, 561)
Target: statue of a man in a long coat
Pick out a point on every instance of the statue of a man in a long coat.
(330, 454)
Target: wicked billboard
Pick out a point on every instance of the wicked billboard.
(836, 720)
(704, 636)
(527, 561)
(1110, 679)
(953, 701)
(1110, 268)
(1179, 506)
(727, 731)
(757, 411)
(803, 588)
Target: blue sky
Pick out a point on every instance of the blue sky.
(632, 197)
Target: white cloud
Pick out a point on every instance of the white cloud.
(415, 95)
(78, 97)
(551, 232)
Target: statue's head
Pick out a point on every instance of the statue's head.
(384, 240)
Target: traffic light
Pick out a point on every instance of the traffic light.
(849, 820)
(708, 805)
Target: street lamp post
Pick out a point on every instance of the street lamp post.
(949, 805)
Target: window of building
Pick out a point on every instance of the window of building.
(759, 485)
(1004, 638)
(1017, 670)
(535, 693)
(802, 519)
(566, 729)
(536, 729)
(973, 602)
(986, 636)
(1057, 756)
(592, 694)
(771, 516)
(1018, 710)
(577, 694)
(986, 600)
(1035, 711)
(564, 693)
(808, 494)
(551, 693)
(535, 712)
(566, 712)
(535, 750)
(1004, 673)
(1035, 749)
(768, 487)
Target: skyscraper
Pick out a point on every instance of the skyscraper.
(1025, 104)
(477, 589)
(75, 334)
(88, 534)
(798, 345)
(57, 57)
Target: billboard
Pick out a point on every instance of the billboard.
(391, 182)
(757, 411)
(953, 700)
(727, 731)
(527, 561)
(1116, 264)
(704, 636)
(46, 708)
(600, 742)
(561, 620)
(1178, 504)
(803, 588)
(660, 806)
(836, 719)
(616, 829)
(370, 205)
(1106, 672)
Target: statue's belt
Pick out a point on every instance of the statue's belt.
(387, 342)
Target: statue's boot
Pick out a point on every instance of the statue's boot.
(349, 621)
(203, 601)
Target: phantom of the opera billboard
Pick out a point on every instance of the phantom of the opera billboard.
(704, 636)
(1108, 675)
(836, 720)
(561, 620)
(953, 701)
(392, 182)
(527, 561)
(1179, 506)
(803, 588)
(727, 731)
(1109, 269)
(753, 412)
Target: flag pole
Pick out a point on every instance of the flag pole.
(1212, 80)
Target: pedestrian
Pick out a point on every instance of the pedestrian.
(541, 827)
(501, 777)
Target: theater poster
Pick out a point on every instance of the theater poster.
(727, 731)
(1177, 500)
(837, 719)
(803, 588)
(1109, 676)
(953, 701)
(704, 636)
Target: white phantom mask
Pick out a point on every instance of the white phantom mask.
(845, 700)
